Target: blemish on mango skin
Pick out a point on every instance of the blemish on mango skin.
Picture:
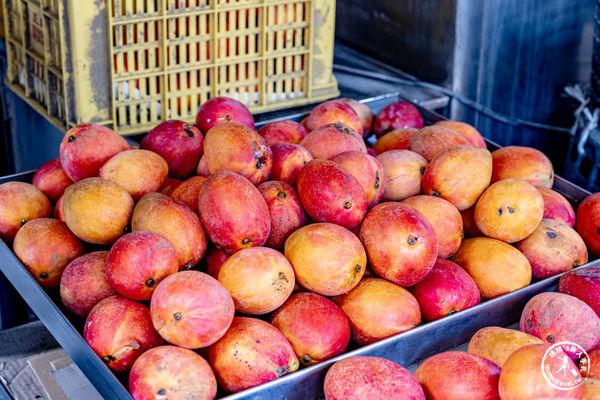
(262, 161)
(282, 371)
(109, 359)
(306, 360)
(412, 240)
(188, 130)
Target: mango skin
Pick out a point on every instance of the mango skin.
(179, 143)
(259, 280)
(51, 179)
(285, 209)
(445, 290)
(156, 212)
(440, 376)
(445, 219)
(521, 377)
(509, 210)
(378, 309)
(466, 130)
(83, 283)
(398, 115)
(97, 210)
(179, 372)
(327, 258)
(138, 261)
(288, 160)
(19, 203)
(327, 141)
(522, 162)
(497, 344)
(283, 132)
(86, 147)
(191, 309)
(583, 283)
(558, 317)
(233, 212)
(214, 260)
(403, 171)
(202, 169)
(400, 243)
(370, 378)
(188, 191)
(364, 113)
(252, 352)
(58, 210)
(237, 148)
(459, 174)
(331, 194)
(469, 225)
(557, 207)
(46, 246)
(333, 111)
(432, 140)
(219, 110)
(591, 389)
(588, 223)
(316, 328)
(394, 140)
(138, 171)
(368, 172)
(552, 248)
(497, 267)
(119, 330)
(169, 186)
(594, 367)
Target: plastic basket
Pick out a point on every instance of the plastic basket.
(130, 64)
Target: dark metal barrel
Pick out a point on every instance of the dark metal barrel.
(596, 59)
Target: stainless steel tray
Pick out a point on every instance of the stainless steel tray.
(405, 348)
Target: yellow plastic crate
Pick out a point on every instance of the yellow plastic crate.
(130, 64)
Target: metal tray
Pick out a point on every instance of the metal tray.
(405, 348)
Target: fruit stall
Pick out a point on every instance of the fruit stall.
(238, 210)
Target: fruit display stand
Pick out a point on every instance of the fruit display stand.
(405, 348)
